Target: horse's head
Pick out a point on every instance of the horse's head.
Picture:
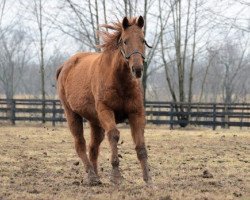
(132, 45)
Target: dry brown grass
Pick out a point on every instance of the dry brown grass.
(39, 163)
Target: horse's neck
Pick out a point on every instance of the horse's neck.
(120, 76)
(119, 68)
(122, 71)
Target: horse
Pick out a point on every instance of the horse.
(105, 89)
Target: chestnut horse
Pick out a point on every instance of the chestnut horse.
(105, 88)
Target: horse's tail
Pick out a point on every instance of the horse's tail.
(58, 71)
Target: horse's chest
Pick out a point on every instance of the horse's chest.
(122, 106)
(122, 102)
(123, 110)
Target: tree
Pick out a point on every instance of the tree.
(233, 59)
(2, 8)
(14, 45)
(38, 13)
(84, 24)
(152, 51)
(34, 12)
(13, 57)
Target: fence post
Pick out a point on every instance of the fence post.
(171, 116)
(158, 115)
(226, 116)
(241, 117)
(12, 111)
(214, 116)
(43, 110)
(151, 115)
(54, 114)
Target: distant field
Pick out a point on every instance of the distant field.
(41, 163)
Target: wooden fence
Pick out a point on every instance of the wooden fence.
(159, 113)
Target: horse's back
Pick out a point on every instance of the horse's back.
(74, 82)
(79, 66)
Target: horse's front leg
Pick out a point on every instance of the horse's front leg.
(107, 120)
(137, 124)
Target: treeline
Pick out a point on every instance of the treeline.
(200, 48)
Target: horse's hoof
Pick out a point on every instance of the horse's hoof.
(116, 177)
(148, 180)
(94, 182)
(150, 184)
(93, 179)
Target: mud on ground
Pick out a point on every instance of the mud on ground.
(41, 163)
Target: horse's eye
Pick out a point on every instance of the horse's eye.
(125, 42)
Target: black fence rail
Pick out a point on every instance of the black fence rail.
(31, 110)
(159, 113)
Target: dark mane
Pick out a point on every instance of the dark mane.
(110, 39)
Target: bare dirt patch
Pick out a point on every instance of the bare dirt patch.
(41, 163)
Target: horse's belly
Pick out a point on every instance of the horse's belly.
(120, 117)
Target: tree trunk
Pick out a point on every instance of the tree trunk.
(190, 90)
(145, 69)
(97, 25)
(42, 71)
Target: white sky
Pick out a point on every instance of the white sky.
(236, 12)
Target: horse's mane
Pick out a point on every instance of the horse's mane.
(111, 39)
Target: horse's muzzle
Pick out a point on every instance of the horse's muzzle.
(137, 72)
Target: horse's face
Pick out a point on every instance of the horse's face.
(133, 45)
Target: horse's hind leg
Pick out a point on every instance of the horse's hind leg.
(75, 123)
(97, 136)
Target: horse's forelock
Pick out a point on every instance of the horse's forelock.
(110, 39)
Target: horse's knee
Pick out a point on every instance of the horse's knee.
(80, 146)
(93, 152)
(113, 135)
(141, 152)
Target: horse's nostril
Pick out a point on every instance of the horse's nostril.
(137, 71)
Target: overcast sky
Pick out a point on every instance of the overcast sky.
(226, 13)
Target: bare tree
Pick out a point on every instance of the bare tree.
(155, 40)
(211, 55)
(35, 13)
(2, 8)
(14, 56)
(84, 24)
(51, 66)
(38, 14)
(190, 89)
(162, 47)
(181, 44)
(12, 60)
(233, 60)
(14, 46)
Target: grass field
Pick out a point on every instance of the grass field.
(197, 164)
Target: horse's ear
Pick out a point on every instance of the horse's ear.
(140, 22)
(125, 23)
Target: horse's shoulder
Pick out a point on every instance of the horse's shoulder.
(75, 58)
